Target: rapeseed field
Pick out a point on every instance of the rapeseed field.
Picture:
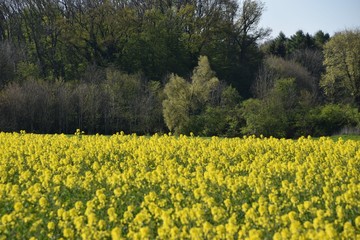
(166, 187)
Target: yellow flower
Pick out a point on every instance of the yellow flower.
(112, 215)
(178, 187)
(145, 232)
(5, 219)
(331, 231)
(68, 233)
(116, 233)
(51, 226)
(78, 205)
(43, 202)
(357, 222)
(18, 206)
(101, 224)
(92, 219)
(79, 222)
(307, 204)
(117, 192)
(196, 233)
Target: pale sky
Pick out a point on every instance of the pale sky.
(330, 16)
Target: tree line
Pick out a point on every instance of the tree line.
(185, 66)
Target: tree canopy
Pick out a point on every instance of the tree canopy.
(185, 66)
(185, 99)
(342, 61)
(67, 38)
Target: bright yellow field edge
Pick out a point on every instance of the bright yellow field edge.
(165, 187)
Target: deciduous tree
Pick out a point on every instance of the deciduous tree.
(185, 99)
(341, 80)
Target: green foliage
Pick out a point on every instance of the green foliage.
(76, 41)
(131, 103)
(342, 60)
(264, 120)
(273, 115)
(154, 37)
(278, 45)
(300, 41)
(285, 47)
(320, 39)
(27, 70)
(192, 107)
(331, 119)
(220, 121)
(102, 66)
(203, 83)
(229, 97)
(184, 99)
(288, 112)
(176, 106)
(223, 119)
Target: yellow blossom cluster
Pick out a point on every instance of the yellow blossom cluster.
(167, 187)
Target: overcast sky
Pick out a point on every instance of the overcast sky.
(330, 16)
